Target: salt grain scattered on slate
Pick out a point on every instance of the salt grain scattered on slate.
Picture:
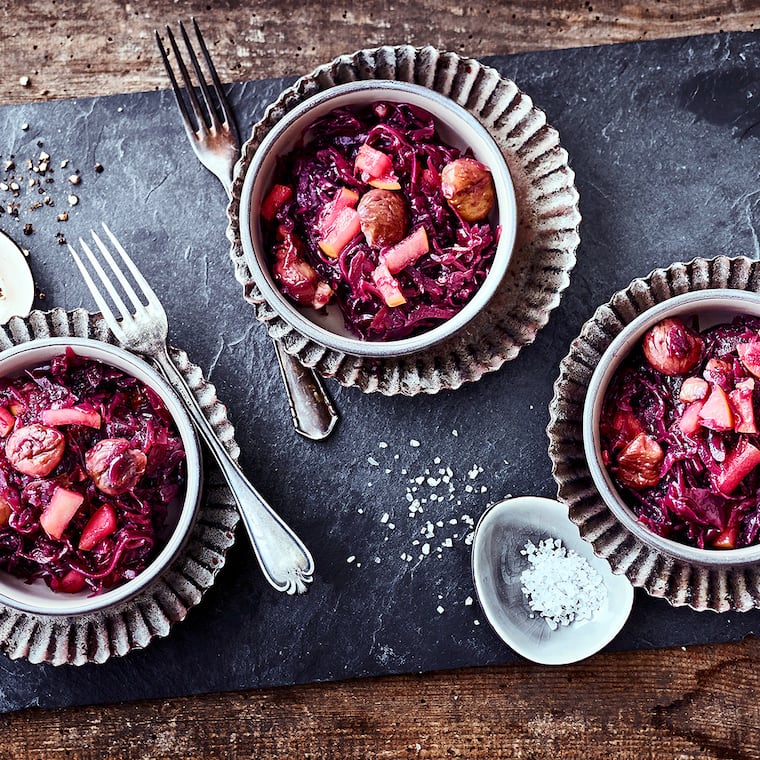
(440, 488)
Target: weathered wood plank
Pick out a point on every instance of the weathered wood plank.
(94, 47)
(688, 704)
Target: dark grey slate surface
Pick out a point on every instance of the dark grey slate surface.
(664, 139)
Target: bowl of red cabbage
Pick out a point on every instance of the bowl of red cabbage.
(380, 218)
(100, 476)
(671, 427)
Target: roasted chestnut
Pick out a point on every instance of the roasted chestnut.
(35, 449)
(468, 187)
(672, 348)
(115, 466)
(639, 462)
(383, 217)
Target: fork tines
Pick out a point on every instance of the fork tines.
(199, 116)
(128, 289)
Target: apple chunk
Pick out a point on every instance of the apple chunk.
(58, 513)
(716, 414)
(749, 355)
(744, 410)
(739, 463)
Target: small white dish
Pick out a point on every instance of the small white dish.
(36, 598)
(16, 283)
(455, 126)
(710, 307)
(497, 562)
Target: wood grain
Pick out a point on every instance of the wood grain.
(688, 704)
(78, 48)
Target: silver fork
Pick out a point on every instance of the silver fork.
(214, 139)
(286, 562)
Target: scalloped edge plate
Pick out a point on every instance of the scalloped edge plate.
(680, 582)
(97, 636)
(547, 236)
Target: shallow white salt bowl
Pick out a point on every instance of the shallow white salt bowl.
(500, 535)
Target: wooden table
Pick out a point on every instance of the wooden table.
(695, 703)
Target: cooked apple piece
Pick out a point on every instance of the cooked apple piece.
(277, 197)
(690, 421)
(99, 526)
(7, 421)
(73, 415)
(749, 355)
(726, 539)
(71, 582)
(344, 198)
(716, 413)
(407, 251)
(744, 409)
(376, 168)
(693, 389)
(346, 227)
(56, 517)
(739, 463)
(388, 286)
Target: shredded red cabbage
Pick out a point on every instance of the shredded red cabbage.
(691, 502)
(437, 285)
(129, 412)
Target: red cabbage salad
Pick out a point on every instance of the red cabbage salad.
(91, 469)
(679, 432)
(374, 213)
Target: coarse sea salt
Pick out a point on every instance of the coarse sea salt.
(560, 585)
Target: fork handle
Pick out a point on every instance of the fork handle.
(313, 414)
(286, 562)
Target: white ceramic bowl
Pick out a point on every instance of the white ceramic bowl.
(455, 126)
(37, 598)
(500, 536)
(711, 307)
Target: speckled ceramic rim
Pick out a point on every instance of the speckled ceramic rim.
(547, 224)
(134, 623)
(727, 304)
(37, 598)
(681, 581)
(291, 128)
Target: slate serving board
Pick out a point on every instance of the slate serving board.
(664, 139)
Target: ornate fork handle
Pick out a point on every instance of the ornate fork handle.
(285, 560)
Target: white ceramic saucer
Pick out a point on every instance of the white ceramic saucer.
(16, 284)
(497, 563)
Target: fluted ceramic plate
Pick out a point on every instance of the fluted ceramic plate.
(680, 582)
(497, 563)
(115, 631)
(547, 234)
